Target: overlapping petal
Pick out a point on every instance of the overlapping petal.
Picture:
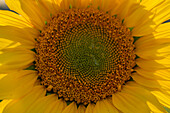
(56, 107)
(15, 59)
(21, 82)
(8, 18)
(72, 108)
(42, 104)
(133, 93)
(23, 36)
(157, 84)
(81, 109)
(90, 108)
(155, 45)
(22, 104)
(105, 106)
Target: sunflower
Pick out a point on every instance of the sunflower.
(85, 56)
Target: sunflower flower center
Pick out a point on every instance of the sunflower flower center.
(84, 55)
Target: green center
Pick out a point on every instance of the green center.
(86, 54)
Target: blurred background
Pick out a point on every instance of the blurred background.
(3, 5)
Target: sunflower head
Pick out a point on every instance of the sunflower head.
(86, 52)
(104, 56)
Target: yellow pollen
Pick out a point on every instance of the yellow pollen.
(84, 55)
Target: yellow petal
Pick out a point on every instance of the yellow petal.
(129, 104)
(163, 28)
(42, 104)
(163, 97)
(162, 32)
(152, 101)
(105, 106)
(21, 105)
(154, 50)
(126, 8)
(153, 64)
(109, 5)
(74, 3)
(116, 6)
(81, 109)
(56, 107)
(10, 35)
(65, 4)
(15, 59)
(162, 12)
(160, 36)
(144, 29)
(135, 99)
(32, 10)
(72, 108)
(56, 3)
(151, 83)
(8, 18)
(106, 5)
(137, 17)
(17, 84)
(96, 3)
(150, 4)
(5, 43)
(15, 5)
(156, 45)
(2, 76)
(3, 104)
(154, 74)
(90, 108)
(84, 3)
(46, 8)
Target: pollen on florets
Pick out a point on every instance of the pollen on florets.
(84, 55)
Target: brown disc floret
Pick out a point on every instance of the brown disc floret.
(84, 55)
